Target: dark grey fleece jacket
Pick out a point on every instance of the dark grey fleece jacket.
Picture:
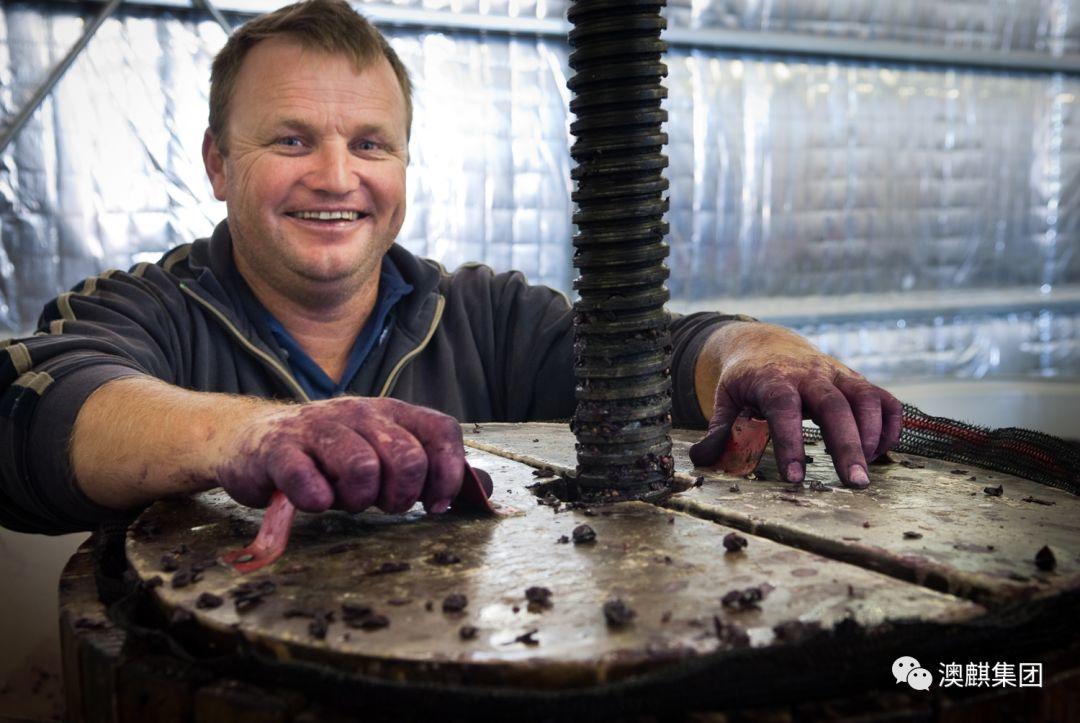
(475, 344)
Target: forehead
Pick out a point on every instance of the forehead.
(280, 77)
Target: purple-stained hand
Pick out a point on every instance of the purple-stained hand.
(782, 377)
(348, 453)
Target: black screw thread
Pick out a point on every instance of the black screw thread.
(622, 346)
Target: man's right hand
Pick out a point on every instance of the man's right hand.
(138, 439)
(349, 453)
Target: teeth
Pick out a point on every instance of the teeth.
(328, 215)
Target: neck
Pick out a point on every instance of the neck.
(325, 325)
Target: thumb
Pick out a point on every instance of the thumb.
(707, 451)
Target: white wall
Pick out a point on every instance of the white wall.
(30, 567)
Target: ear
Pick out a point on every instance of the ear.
(214, 162)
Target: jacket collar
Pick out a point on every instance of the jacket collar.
(207, 269)
(210, 271)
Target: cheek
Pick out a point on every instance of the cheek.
(389, 185)
(258, 184)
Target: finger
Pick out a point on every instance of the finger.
(247, 483)
(782, 406)
(707, 451)
(830, 409)
(893, 423)
(295, 474)
(865, 402)
(440, 436)
(351, 465)
(403, 464)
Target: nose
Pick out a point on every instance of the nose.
(333, 170)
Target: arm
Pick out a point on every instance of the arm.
(112, 359)
(781, 376)
(137, 439)
(109, 327)
(513, 345)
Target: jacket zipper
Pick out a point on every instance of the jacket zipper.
(259, 354)
(391, 379)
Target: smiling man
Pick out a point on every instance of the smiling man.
(264, 357)
(311, 161)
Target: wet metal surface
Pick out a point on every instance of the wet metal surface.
(921, 519)
(669, 568)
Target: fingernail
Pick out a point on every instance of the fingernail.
(794, 473)
(440, 507)
(857, 476)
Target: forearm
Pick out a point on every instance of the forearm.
(138, 439)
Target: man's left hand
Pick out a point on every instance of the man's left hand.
(782, 377)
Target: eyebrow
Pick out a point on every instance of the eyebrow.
(300, 126)
(295, 125)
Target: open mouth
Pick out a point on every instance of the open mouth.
(328, 216)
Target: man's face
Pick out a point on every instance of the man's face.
(314, 170)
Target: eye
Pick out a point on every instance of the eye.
(290, 142)
(366, 145)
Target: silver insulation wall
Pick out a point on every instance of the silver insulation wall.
(914, 220)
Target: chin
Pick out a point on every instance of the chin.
(324, 274)
(357, 258)
(335, 272)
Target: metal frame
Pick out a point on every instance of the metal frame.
(726, 40)
(212, 10)
(730, 40)
(738, 41)
(23, 115)
(873, 50)
(893, 305)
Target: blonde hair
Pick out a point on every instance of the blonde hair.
(329, 26)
